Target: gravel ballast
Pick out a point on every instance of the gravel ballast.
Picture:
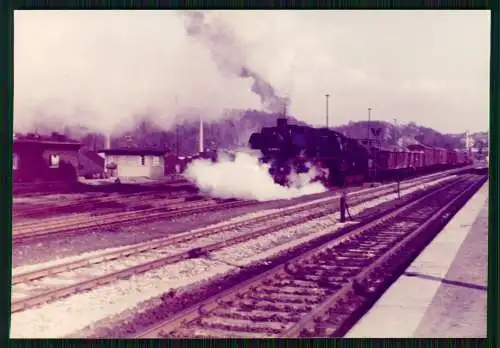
(119, 236)
(74, 313)
(113, 237)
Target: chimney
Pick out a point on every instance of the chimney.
(107, 142)
(468, 140)
(201, 135)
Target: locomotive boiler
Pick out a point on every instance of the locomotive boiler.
(334, 159)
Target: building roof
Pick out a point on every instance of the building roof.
(94, 157)
(419, 146)
(48, 143)
(54, 137)
(393, 148)
(133, 152)
(55, 141)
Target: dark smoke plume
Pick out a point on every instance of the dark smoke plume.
(230, 58)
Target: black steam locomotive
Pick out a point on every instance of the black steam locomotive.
(336, 159)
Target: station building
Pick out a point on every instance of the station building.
(134, 163)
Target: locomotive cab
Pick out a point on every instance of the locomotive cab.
(256, 141)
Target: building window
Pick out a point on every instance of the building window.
(54, 161)
(156, 161)
(15, 162)
(143, 160)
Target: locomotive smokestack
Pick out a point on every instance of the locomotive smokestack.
(282, 122)
(201, 135)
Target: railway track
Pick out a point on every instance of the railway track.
(38, 189)
(38, 214)
(99, 205)
(81, 224)
(18, 227)
(109, 201)
(43, 188)
(67, 221)
(28, 231)
(321, 293)
(197, 243)
(115, 202)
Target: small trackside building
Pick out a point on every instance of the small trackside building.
(37, 158)
(173, 165)
(133, 163)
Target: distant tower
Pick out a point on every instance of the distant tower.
(107, 142)
(201, 134)
(468, 141)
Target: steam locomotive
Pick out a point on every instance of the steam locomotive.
(338, 160)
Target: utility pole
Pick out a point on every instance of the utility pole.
(327, 96)
(396, 131)
(177, 140)
(370, 152)
(398, 190)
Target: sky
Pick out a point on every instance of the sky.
(102, 68)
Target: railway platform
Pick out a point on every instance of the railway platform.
(443, 292)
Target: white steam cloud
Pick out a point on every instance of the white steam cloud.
(245, 178)
(229, 55)
(104, 76)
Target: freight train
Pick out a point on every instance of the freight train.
(339, 160)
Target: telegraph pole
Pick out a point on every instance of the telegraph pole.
(177, 140)
(327, 96)
(395, 131)
(370, 152)
(398, 190)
